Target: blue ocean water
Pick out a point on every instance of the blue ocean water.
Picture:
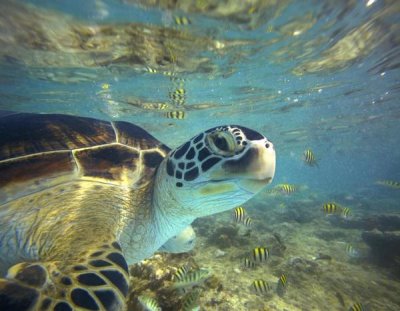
(319, 75)
(314, 75)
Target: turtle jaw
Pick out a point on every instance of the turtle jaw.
(253, 171)
(236, 180)
(260, 172)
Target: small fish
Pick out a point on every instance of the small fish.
(357, 307)
(182, 20)
(248, 263)
(287, 188)
(345, 212)
(168, 73)
(176, 114)
(309, 158)
(260, 286)
(192, 278)
(331, 208)
(178, 93)
(191, 301)
(105, 86)
(151, 70)
(282, 285)
(247, 221)
(260, 254)
(351, 251)
(178, 96)
(239, 214)
(389, 183)
(252, 10)
(161, 106)
(148, 303)
(180, 273)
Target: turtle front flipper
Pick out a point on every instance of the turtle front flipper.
(98, 281)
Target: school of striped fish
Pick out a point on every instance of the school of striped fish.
(187, 280)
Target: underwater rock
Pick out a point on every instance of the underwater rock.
(227, 236)
(294, 213)
(204, 225)
(322, 256)
(300, 264)
(218, 253)
(385, 246)
(379, 222)
(214, 282)
(153, 277)
(329, 235)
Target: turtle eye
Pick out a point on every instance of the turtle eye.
(222, 143)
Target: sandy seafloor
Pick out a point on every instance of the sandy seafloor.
(333, 283)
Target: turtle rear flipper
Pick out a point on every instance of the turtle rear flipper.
(98, 282)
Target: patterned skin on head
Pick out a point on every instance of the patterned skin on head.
(218, 145)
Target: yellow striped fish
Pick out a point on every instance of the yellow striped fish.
(389, 183)
(192, 278)
(247, 221)
(168, 73)
(346, 212)
(151, 70)
(178, 93)
(239, 214)
(260, 254)
(176, 114)
(352, 252)
(260, 286)
(357, 307)
(105, 86)
(180, 273)
(248, 263)
(309, 158)
(287, 188)
(191, 300)
(178, 96)
(282, 285)
(182, 20)
(283, 280)
(331, 208)
(161, 106)
(149, 303)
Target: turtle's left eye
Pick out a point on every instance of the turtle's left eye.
(222, 143)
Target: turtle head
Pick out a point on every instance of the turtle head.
(219, 169)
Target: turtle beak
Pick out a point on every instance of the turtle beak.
(256, 168)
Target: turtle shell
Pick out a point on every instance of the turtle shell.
(38, 151)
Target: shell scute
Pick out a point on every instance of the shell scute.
(25, 133)
(112, 162)
(34, 172)
(134, 136)
(39, 151)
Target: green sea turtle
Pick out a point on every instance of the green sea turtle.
(81, 198)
